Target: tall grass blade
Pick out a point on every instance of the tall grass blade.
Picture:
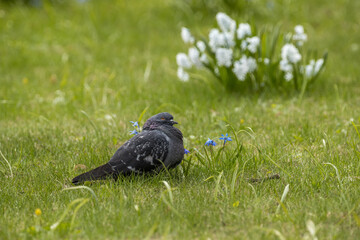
(91, 122)
(62, 217)
(142, 114)
(82, 187)
(286, 190)
(147, 71)
(76, 210)
(10, 168)
(233, 180)
(270, 159)
(169, 191)
(356, 129)
(337, 174)
(217, 185)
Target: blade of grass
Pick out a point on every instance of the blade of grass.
(142, 114)
(356, 129)
(233, 180)
(76, 210)
(11, 172)
(91, 122)
(286, 190)
(62, 217)
(169, 191)
(217, 185)
(82, 187)
(337, 174)
(277, 165)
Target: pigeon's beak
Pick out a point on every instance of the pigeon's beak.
(173, 122)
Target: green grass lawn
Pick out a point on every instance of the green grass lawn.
(72, 76)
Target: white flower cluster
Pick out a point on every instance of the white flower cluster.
(290, 56)
(299, 37)
(225, 23)
(243, 30)
(220, 39)
(222, 42)
(236, 48)
(186, 36)
(312, 69)
(195, 57)
(224, 57)
(183, 61)
(244, 66)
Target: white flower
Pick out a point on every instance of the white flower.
(229, 39)
(318, 65)
(244, 66)
(218, 39)
(300, 37)
(313, 67)
(182, 75)
(204, 59)
(194, 56)
(290, 53)
(223, 57)
(266, 61)
(299, 29)
(186, 36)
(244, 45)
(308, 69)
(183, 61)
(243, 30)
(217, 72)
(288, 76)
(240, 69)
(253, 44)
(285, 66)
(201, 46)
(225, 23)
(251, 62)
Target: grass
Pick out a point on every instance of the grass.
(73, 76)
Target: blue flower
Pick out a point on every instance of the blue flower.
(135, 124)
(134, 132)
(186, 151)
(225, 138)
(210, 142)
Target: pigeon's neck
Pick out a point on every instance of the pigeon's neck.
(171, 131)
(151, 125)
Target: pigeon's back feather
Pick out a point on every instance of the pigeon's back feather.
(145, 152)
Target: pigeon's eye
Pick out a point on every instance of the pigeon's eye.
(162, 118)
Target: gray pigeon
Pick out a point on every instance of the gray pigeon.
(159, 145)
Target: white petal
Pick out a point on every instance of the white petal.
(226, 23)
(243, 30)
(224, 57)
(183, 61)
(182, 75)
(186, 35)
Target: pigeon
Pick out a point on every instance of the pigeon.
(159, 145)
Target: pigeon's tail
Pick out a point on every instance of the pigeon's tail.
(98, 173)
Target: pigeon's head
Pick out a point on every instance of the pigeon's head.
(159, 119)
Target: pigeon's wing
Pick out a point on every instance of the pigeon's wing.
(144, 152)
